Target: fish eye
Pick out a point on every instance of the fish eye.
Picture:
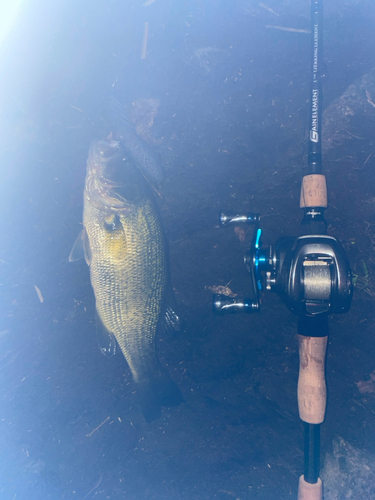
(112, 223)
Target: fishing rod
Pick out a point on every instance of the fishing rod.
(310, 272)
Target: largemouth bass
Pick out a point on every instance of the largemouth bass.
(123, 243)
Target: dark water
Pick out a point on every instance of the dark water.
(230, 128)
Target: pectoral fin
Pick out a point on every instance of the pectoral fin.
(81, 248)
(106, 339)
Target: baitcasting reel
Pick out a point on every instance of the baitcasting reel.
(310, 273)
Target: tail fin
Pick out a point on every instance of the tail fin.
(147, 160)
(118, 113)
(157, 392)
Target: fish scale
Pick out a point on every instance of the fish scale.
(129, 282)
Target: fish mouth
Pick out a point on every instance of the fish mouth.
(102, 164)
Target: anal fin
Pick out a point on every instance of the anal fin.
(171, 319)
(106, 339)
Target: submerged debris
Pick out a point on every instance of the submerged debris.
(349, 116)
(283, 28)
(222, 290)
(96, 485)
(367, 386)
(39, 293)
(97, 428)
(240, 233)
(208, 57)
(348, 473)
(264, 6)
(144, 42)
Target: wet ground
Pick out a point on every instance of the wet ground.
(231, 138)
